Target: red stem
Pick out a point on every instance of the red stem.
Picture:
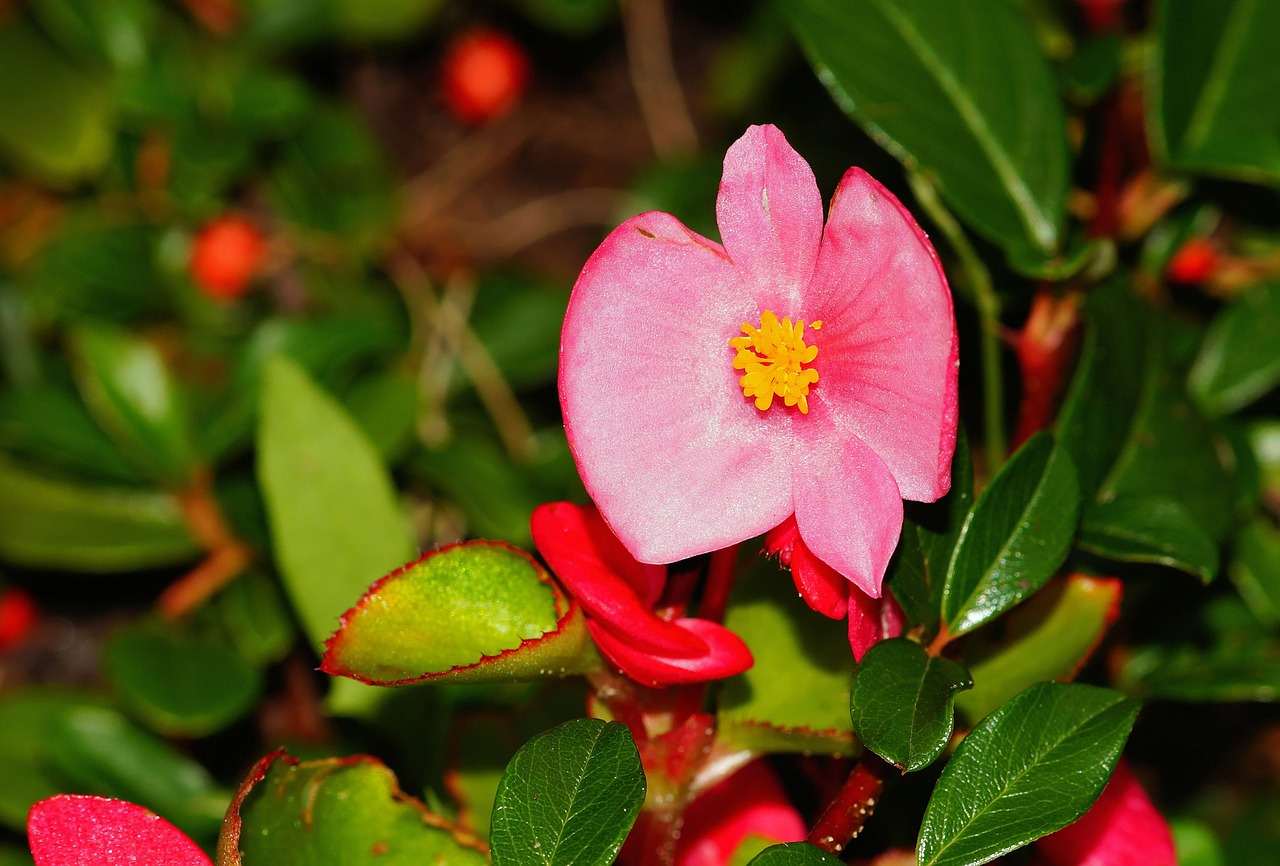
(848, 812)
(721, 571)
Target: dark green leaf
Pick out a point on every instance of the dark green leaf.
(1016, 536)
(935, 530)
(1149, 529)
(910, 580)
(1238, 361)
(51, 425)
(572, 17)
(1256, 569)
(46, 523)
(793, 854)
(254, 618)
(1213, 73)
(959, 90)
(116, 33)
(98, 267)
(386, 408)
(901, 702)
(1032, 767)
(1091, 71)
(569, 795)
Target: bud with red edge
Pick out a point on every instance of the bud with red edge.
(1194, 262)
(18, 616)
(225, 256)
(485, 73)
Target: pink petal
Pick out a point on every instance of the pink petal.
(821, 587)
(679, 462)
(751, 802)
(849, 511)
(887, 351)
(74, 830)
(726, 655)
(864, 623)
(770, 216)
(587, 559)
(1122, 829)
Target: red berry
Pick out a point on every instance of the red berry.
(485, 73)
(18, 616)
(1194, 261)
(227, 253)
(1102, 15)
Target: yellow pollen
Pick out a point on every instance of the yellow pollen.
(772, 358)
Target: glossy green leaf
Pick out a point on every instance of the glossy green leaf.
(1212, 73)
(1016, 536)
(1032, 767)
(335, 519)
(127, 387)
(1238, 361)
(47, 523)
(959, 90)
(55, 119)
(1048, 638)
(795, 698)
(570, 795)
(29, 720)
(470, 612)
(1149, 529)
(50, 425)
(179, 682)
(793, 854)
(1255, 570)
(901, 702)
(336, 810)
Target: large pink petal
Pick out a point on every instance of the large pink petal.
(770, 216)
(849, 510)
(1122, 828)
(887, 351)
(678, 461)
(77, 830)
(726, 655)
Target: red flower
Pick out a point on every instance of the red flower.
(1121, 829)
(749, 803)
(618, 594)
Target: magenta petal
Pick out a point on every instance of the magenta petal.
(888, 351)
(849, 512)
(726, 655)
(1121, 829)
(75, 830)
(770, 216)
(751, 802)
(679, 462)
(825, 591)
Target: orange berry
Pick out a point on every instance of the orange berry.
(484, 75)
(1194, 261)
(225, 256)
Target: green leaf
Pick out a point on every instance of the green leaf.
(1016, 536)
(253, 615)
(901, 702)
(1149, 529)
(1048, 638)
(1032, 767)
(571, 17)
(116, 33)
(127, 387)
(471, 612)
(1212, 75)
(336, 810)
(929, 535)
(1196, 843)
(46, 523)
(959, 90)
(51, 425)
(570, 795)
(1238, 361)
(1256, 569)
(54, 119)
(795, 698)
(335, 520)
(793, 854)
(99, 267)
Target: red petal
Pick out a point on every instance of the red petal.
(820, 585)
(751, 802)
(726, 655)
(1122, 829)
(864, 622)
(612, 587)
(73, 830)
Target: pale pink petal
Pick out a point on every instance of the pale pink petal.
(77, 830)
(1121, 829)
(821, 587)
(751, 802)
(893, 620)
(848, 510)
(887, 351)
(770, 216)
(677, 459)
(726, 655)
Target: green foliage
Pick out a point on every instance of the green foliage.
(793, 854)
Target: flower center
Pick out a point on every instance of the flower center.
(772, 358)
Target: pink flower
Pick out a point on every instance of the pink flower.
(618, 594)
(76, 830)
(749, 803)
(711, 392)
(1121, 829)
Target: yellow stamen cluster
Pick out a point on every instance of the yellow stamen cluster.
(772, 358)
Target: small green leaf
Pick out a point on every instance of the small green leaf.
(1196, 843)
(50, 425)
(1256, 569)
(253, 615)
(911, 581)
(901, 702)
(1028, 769)
(1238, 361)
(335, 519)
(336, 810)
(1149, 529)
(47, 523)
(959, 90)
(570, 795)
(1016, 536)
(471, 612)
(929, 535)
(793, 854)
(127, 387)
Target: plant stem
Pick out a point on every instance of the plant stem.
(845, 816)
(987, 304)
